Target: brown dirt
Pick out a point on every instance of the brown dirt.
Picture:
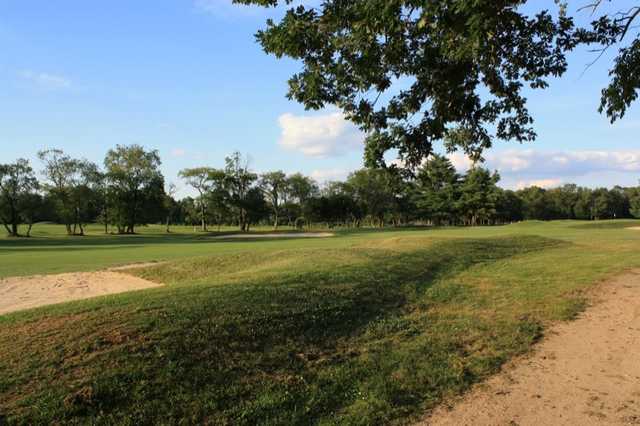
(18, 293)
(585, 372)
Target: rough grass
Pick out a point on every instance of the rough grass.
(370, 328)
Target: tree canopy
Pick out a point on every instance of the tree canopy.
(413, 73)
(17, 183)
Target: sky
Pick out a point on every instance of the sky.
(186, 77)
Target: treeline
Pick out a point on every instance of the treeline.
(129, 190)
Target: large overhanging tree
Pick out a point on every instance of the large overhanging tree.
(616, 30)
(413, 73)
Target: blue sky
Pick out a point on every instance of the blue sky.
(187, 78)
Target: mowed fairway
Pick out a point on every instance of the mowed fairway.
(365, 327)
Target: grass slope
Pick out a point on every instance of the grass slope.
(364, 328)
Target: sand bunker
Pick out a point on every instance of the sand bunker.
(18, 293)
(277, 235)
(634, 228)
(586, 372)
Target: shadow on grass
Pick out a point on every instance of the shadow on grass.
(322, 346)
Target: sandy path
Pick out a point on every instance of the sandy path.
(585, 372)
(277, 235)
(18, 293)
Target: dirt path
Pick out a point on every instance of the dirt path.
(585, 372)
(18, 293)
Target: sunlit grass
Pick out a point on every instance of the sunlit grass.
(362, 328)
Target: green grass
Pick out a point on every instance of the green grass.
(362, 328)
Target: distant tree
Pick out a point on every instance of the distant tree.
(69, 183)
(17, 184)
(436, 190)
(343, 204)
(275, 188)
(170, 204)
(256, 207)
(478, 196)
(634, 202)
(300, 189)
(620, 202)
(239, 181)
(561, 201)
(607, 204)
(102, 195)
(135, 184)
(373, 189)
(200, 179)
(32, 209)
(583, 208)
(190, 212)
(509, 206)
(535, 203)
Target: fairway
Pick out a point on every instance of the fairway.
(366, 327)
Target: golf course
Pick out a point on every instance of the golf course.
(366, 326)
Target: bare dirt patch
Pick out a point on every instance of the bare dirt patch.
(276, 235)
(18, 293)
(585, 372)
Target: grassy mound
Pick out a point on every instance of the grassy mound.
(373, 334)
(608, 224)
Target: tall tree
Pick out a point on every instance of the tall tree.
(239, 180)
(68, 182)
(479, 196)
(275, 187)
(374, 191)
(199, 178)
(135, 180)
(536, 203)
(32, 207)
(300, 189)
(609, 31)
(634, 202)
(17, 182)
(436, 189)
(170, 205)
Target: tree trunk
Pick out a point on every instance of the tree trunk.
(29, 229)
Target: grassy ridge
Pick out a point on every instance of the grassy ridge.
(362, 329)
(321, 342)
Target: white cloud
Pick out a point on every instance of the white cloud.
(327, 175)
(541, 183)
(551, 164)
(46, 81)
(564, 163)
(319, 136)
(460, 161)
